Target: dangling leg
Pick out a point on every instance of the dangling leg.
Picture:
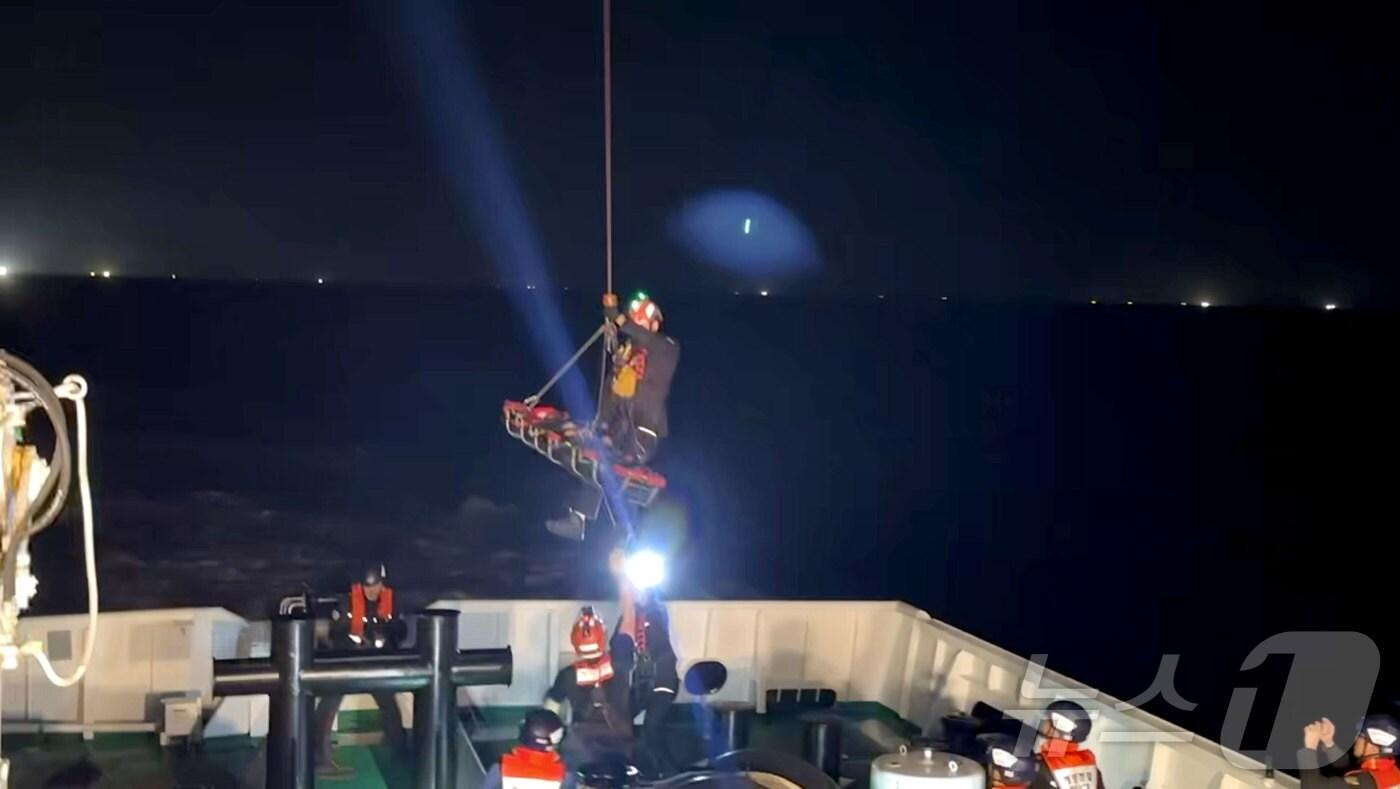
(583, 507)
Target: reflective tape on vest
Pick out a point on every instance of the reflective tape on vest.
(1072, 767)
(512, 782)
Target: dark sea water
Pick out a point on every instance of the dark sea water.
(1102, 484)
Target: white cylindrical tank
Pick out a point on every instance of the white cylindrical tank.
(925, 769)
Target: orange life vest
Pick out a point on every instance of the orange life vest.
(358, 603)
(1071, 766)
(1382, 770)
(523, 768)
(591, 673)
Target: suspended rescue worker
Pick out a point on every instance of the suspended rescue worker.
(534, 763)
(370, 622)
(644, 628)
(595, 689)
(1374, 751)
(1010, 765)
(1064, 762)
(632, 416)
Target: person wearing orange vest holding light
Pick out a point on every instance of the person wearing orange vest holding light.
(370, 622)
(1374, 750)
(1064, 762)
(534, 763)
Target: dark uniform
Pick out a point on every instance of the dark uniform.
(646, 421)
(367, 625)
(601, 720)
(655, 681)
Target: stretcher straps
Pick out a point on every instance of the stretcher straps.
(554, 379)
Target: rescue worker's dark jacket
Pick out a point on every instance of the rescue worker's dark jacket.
(662, 356)
(1064, 765)
(599, 706)
(1377, 772)
(655, 662)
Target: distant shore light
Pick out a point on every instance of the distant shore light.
(320, 280)
(942, 298)
(1183, 304)
(92, 273)
(1205, 304)
(1130, 302)
(106, 273)
(4, 271)
(763, 293)
(1330, 307)
(172, 276)
(1093, 301)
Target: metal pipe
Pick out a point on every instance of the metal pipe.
(474, 667)
(289, 764)
(397, 670)
(433, 705)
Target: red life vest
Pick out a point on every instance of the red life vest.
(1382, 770)
(1072, 767)
(523, 768)
(591, 673)
(358, 603)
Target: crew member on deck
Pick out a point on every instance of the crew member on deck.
(1374, 751)
(1010, 764)
(645, 628)
(632, 416)
(534, 763)
(370, 622)
(1064, 762)
(595, 688)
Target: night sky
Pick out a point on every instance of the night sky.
(993, 150)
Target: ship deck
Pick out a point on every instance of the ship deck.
(137, 760)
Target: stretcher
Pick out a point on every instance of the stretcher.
(551, 433)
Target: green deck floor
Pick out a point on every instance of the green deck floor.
(136, 761)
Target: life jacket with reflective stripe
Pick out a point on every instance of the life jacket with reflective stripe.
(1072, 767)
(591, 673)
(384, 611)
(523, 768)
(1382, 770)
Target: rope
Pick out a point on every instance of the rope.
(554, 379)
(607, 138)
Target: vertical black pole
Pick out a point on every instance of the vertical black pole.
(289, 764)
(435, 705)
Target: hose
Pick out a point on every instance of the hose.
(54, 492)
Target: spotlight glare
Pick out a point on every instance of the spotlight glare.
(645, 569)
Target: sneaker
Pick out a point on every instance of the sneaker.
(570, 527)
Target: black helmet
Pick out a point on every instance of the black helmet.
(541, 730)
(1381, 730)
(373, 573)
(1069, 720)
(1008, 761)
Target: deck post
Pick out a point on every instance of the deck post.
(289, 764)
(434, 705)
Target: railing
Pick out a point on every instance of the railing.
(294, 676)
